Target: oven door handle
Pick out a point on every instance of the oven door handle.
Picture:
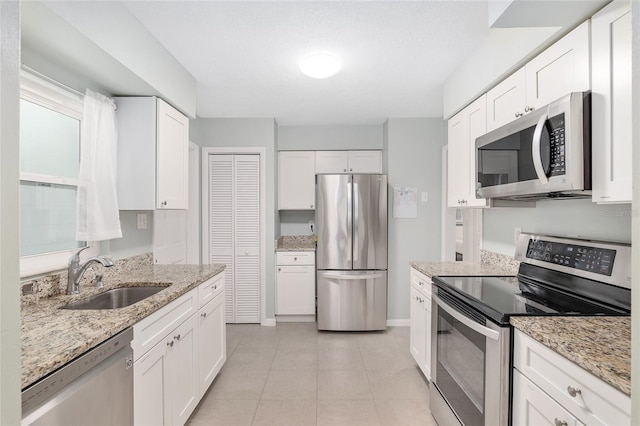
(485, 331)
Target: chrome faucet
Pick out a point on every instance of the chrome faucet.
(76, 270)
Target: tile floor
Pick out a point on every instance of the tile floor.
(292, 374)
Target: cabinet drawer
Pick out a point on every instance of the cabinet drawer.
(421, 282)
(295, 258)
(210, 289)
(155, 327)
(596, 403)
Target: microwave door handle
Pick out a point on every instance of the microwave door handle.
(479, 328)
(535, 150)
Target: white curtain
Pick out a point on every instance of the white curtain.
(97, 209)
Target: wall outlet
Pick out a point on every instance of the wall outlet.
(516, 234)
(141, 221)
(425, 198)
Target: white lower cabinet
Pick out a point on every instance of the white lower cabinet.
(212, 338)
(550, 389)
(420, 322)
(170, 377)
(295, 286)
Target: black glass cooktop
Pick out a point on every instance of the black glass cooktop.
(499, 297)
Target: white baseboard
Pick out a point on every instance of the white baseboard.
(268, 322)
(295, 318)
(399, 323)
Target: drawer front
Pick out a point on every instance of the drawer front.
(596, 402)
(210, 289)
(421, 282)
(155, 327)
(295, 258)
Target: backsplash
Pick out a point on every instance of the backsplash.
(56, 284)
(491, 258)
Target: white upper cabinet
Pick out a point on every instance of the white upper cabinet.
(562, 68)
(611, 104)
(153, 155)
(333, 162)
(296, 180)
(464, 128)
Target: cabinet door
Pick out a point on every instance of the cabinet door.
(183, 370)
(506, 101)
(464, 127)
(172, 172)
(332, 162)
(611, 103)
(365, 161)
(212, 345)
(151, 387)
(533, 407)
(296, 180)
(562, 68)
(296, 290)
(426, 367)
(417, 335)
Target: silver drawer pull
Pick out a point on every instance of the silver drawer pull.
(170, 344)
(203, 315)
(176, 337)
(560, 422)
(215, 287)
(573, 391)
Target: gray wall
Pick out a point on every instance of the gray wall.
(134, 241)
(412, 158)
(575, 218)
(250, 132)
(311, 138)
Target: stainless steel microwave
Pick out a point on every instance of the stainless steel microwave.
(544, 154)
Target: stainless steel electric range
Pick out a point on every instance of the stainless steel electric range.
(471, 337)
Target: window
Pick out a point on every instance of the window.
(50, 122)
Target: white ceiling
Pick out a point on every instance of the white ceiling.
(244, 55)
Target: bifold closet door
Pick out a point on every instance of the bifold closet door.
(234, 231)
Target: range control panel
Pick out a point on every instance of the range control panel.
(592, 259)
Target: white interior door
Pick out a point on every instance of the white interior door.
(234, 231)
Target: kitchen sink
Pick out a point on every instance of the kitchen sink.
(115, 298)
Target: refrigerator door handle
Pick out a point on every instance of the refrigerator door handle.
(339, 276)
(356, 222)
(349, 219)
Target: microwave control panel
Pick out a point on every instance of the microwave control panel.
(556, 128)
(592, 259)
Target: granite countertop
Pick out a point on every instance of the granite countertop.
(600, 345)
(296, 243)
(51, 337)
(431, 269)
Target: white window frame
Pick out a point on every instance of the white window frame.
(43, 93)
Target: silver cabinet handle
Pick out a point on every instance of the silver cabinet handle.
(279, 269)
(215, 287)
(177, 337)
(163, 204)
(519, 114)
(295, 258)
(170, 344)
(573, 392)
(311, 205)
(560, 422)
(345, 170)
(350, 170)
(528, 109)
(203, 315)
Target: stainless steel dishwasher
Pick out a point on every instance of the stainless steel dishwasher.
(96, 388)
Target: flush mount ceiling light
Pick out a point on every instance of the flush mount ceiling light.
(320, 65)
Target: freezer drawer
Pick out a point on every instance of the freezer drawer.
(352, 300)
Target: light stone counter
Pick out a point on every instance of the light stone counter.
(296, 243)
(490, 264)
(600, 345)
(51, 337)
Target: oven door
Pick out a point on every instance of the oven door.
(469, 366)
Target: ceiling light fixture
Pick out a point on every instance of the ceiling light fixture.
(320, 65)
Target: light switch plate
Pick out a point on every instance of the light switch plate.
(425, 198)
(516, 234)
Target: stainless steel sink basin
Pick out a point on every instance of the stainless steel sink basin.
(115, 298)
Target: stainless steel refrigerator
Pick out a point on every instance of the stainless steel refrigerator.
(351, 224)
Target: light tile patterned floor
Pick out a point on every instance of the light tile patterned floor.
(292, 374)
